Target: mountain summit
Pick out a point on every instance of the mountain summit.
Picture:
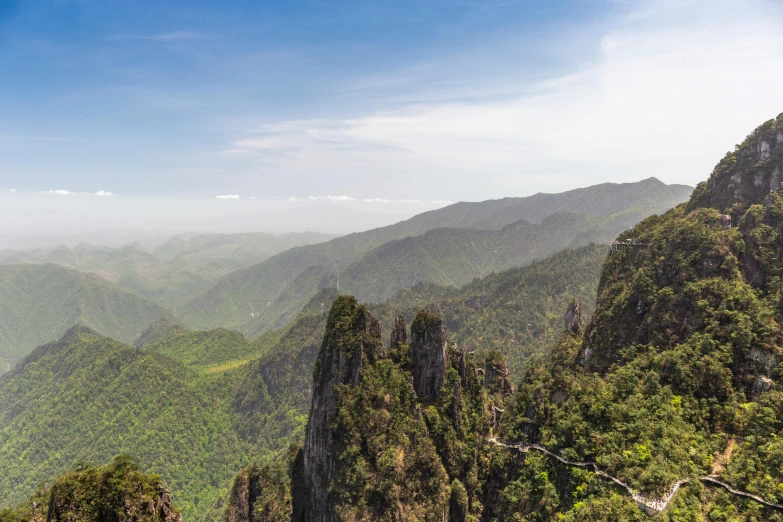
(746, 176)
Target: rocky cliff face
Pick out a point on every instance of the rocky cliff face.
(747, 175)
(352, 339)
(573, 318)
(429, 354)
(398, 333)
(704, 270)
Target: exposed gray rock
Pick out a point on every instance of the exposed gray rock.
(398, 333)
(428, 353)
(756, 369)
(573, 318)
(352, 336)
(496, 376)
(774, 180)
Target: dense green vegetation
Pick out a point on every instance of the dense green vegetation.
(175, 271)
(87, 398)
(676, 376)
(98, 396)
(116, 491)
(518, 311)
(454, 257)
(396, 457)
(38, 303)
(437, 258)
(209, 349)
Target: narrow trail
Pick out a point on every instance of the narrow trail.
(651, 505)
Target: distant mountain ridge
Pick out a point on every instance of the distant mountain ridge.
(269, 295)
(174, 271)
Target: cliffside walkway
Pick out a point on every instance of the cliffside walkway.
(651, 505)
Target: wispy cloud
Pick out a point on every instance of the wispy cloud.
(59, 192)
(669, 88)
(63, 192)
(400, 201)
(331, 198)
(227, 196)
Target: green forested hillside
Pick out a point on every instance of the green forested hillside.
(206, 350)
(518, 311)
(38, 303)
(672, 390)
(454, 257)
(87, 398)
(607, 210)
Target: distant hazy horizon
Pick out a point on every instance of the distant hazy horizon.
(48, 220)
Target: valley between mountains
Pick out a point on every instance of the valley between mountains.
(470, 357)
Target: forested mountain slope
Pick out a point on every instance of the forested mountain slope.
(87, 398)
(175, 403)
(518, 312)
(38, 303)
(454, 257)
(258, 298)
(672, 388)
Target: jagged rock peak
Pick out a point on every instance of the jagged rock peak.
(747, 175)
(429, 354)
(398, 334)
(496, 374)
(573, 318)
(352, 336)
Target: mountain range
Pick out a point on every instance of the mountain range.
(172, 272)
(665, 404)
(196, 406)
(492, 235)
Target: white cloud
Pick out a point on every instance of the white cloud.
(103, 193)
(331, 198)
(60, 192)
(669, 89)
(402, 201)
(227, 196)
(12, 190)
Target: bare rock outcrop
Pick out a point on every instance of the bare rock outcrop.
(747, 175)
(496, 374)
(573, 318)
(398, 334)
(429, 354)
(352, 337)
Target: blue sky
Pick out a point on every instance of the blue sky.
(377, 102)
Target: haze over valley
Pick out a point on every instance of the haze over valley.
(395, 261)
